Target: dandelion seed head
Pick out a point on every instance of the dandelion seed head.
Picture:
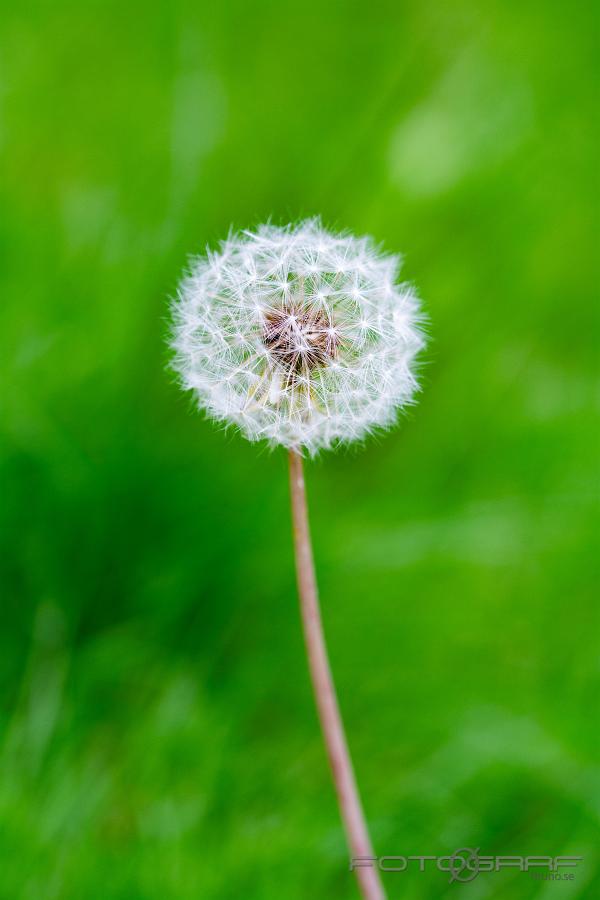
(298, 336)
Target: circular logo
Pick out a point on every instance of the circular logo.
(464, 865)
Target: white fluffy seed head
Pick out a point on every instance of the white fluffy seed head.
(298, 336)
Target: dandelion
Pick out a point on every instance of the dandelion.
(303, 338)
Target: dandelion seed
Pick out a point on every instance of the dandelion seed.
(289, 306)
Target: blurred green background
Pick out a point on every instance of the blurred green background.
(158, 737)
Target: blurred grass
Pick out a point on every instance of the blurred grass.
(157, 731)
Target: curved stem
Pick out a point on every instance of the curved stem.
(324, 689)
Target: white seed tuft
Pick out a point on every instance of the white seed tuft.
(298, 336)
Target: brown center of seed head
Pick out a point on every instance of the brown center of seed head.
(299, 338)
